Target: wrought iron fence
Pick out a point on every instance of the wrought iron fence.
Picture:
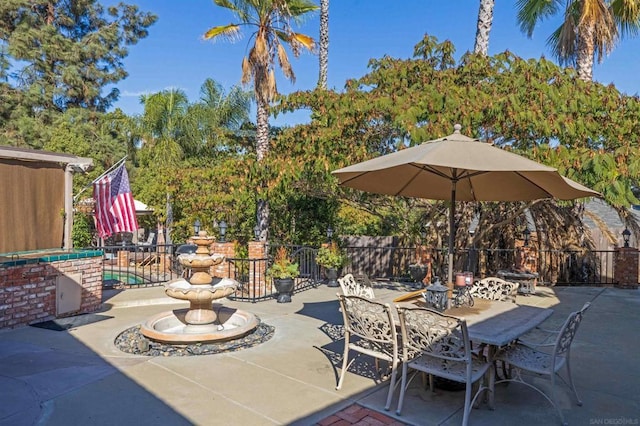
(133, 265)
(562, 267)
(128, 266)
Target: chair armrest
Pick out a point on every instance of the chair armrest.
(547, 330)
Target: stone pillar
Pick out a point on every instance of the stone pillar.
(227, 249)
(423, 257)
(123, 259)
(258, 267)
(526, 257)
(625, 267)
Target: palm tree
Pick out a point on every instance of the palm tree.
(485, 18)
(215, 118)
(590, 28)
(324, 43)
(271, 22)
(162, 125)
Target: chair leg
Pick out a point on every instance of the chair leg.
(392, 385)
(403, 385)
(467, 404)
(345, 360)
(573, 387)
(554, 398)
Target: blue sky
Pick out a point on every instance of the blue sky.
(174, 55)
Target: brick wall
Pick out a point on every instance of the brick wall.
(625, 267)
(221, 270)
(28, 291)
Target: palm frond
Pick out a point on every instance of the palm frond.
(230, 31)
(283, 60)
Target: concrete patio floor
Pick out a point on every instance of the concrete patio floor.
(79, 376)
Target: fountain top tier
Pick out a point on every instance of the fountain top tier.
(200, 261)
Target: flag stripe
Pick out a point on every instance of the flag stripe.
(114, 207)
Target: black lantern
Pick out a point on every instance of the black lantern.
(626, 235)
(526, 235)
(329, 233)
(196, 227)
(256, 233)
(223, 230)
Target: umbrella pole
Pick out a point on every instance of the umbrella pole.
(452, 235)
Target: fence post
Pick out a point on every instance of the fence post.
(227, 249)
(625, 268)
(257, 271)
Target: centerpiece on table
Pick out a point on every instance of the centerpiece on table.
(332, 259)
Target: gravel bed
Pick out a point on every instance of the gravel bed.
(132, 341)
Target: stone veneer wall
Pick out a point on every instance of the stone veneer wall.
(28, 287)
(625, 272)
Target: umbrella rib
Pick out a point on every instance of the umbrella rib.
(549, 195)
(466, 173)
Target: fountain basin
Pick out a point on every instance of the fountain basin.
(183, 290)
(172, 326)
(196, 260)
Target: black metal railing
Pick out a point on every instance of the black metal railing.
(562, 267)
(134, 265)
(138, 265)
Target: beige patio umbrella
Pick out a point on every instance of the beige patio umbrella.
(459, 168)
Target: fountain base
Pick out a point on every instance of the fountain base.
(172, 327)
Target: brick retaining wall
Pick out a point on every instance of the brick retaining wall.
(28, 287)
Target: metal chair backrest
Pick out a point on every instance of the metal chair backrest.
(371, 321)
(352, 287)
(567, 333)
(433, 334)
(492, 288)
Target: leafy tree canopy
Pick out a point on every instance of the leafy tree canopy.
(65, 54)
(587, 130)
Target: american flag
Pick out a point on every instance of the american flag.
(114, 208)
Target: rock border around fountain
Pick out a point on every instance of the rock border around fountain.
(132, 341)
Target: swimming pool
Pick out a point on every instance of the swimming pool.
(112, 277)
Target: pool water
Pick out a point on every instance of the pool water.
(123, 277)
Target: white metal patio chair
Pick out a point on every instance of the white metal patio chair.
(370, 329)
(352, 287)
(492, 288)
(438, 345)
(524, 356)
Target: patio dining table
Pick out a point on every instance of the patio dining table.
(490, 322)
(493, 323)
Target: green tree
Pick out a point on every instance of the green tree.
(66, 54)
(271, 23)
(533, 107)
(590, 28)
(215, 121)
(162, 126)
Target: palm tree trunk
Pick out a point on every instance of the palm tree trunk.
(485, 18)
(262, 148)
(584, 59)
(324, 43)
(262, 131)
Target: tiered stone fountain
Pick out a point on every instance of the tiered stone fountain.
(204, 321)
